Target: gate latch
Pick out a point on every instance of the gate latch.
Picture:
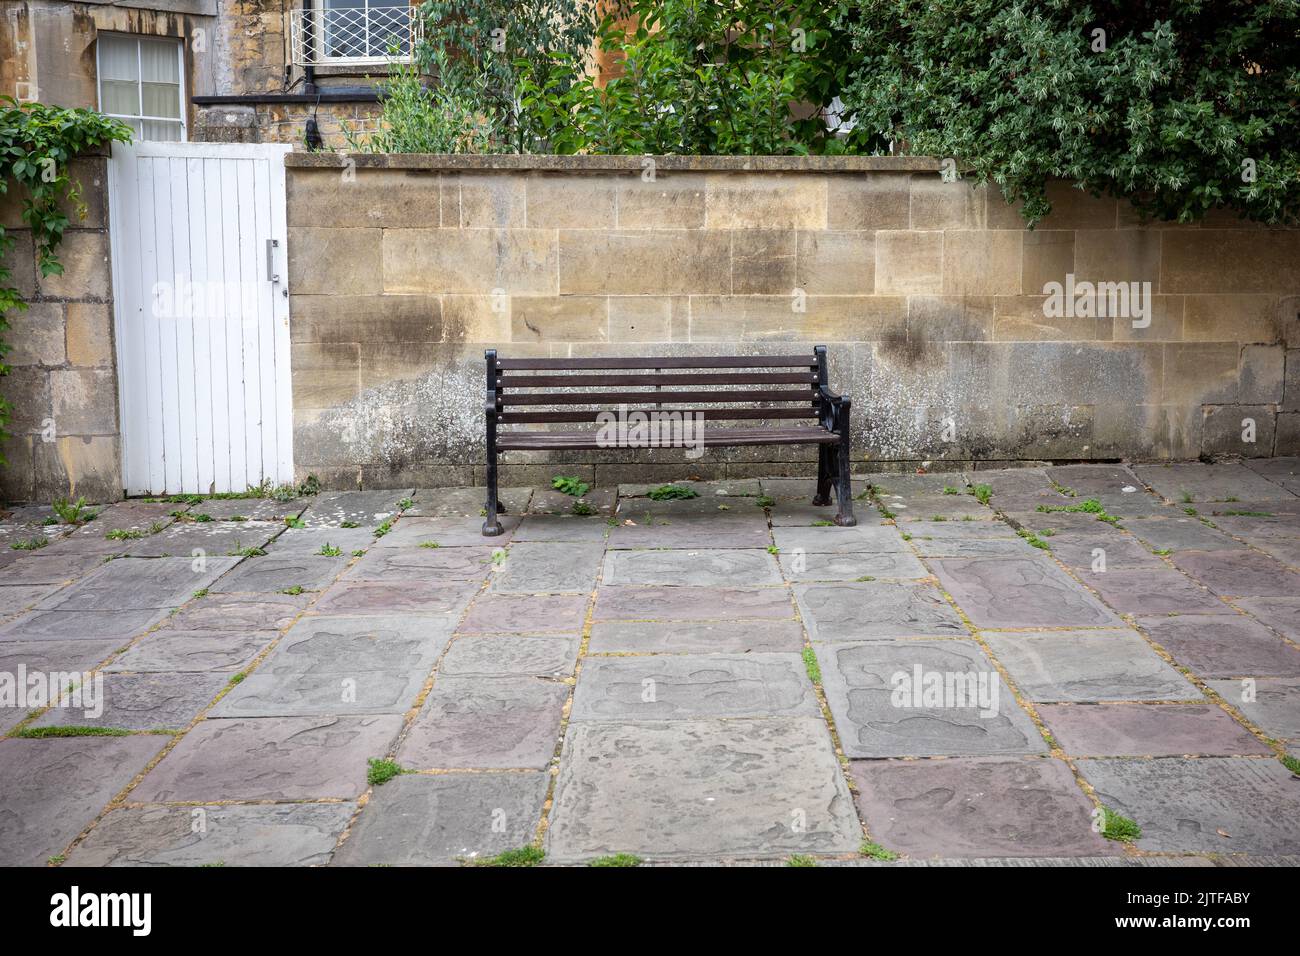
(270, 259)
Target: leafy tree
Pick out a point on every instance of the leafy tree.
(418, 119)
(1182, 106)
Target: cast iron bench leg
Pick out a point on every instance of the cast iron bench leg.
(843, 485)
(824, 472)
(491, 526)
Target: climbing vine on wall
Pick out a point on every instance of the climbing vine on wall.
(37, 146)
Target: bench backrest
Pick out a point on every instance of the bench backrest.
(721, 387)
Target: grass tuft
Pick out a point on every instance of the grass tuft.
(524, 856)
(1116, 826)
(672, 493)
(617, 859)
(811, 666)
(380, 770)
(875, 851)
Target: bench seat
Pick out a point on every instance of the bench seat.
(711, 438)
(662, 401)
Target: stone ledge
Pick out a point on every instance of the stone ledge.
(586, 164)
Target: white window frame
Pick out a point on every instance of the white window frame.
(320, 8)
(139, 72)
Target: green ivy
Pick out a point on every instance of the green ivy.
(37, 146)
(1181, 106)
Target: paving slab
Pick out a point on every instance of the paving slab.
(963, 531)
(430, 565)
(1212, 805)
(51, 789)
(275, 758)
(876, 610)
(1223, 645)
(301, 834)
(172, 651)
(1121, 730)
(477, 723)
(800, 514)
(140, 702)
(922, 699)
(697, 568)
(729, 488)
(653, 637)
(1020, 592)
(40, 625)
(318, 694)
(41, 568)
(1082, 552)
(948, 508)
(911, 485)
(691, 604)
(1282, 614)
(802, 566)
(213, 538)
(367, 508)
(252, 509)
(702, 533)
(1271, 703)
(20, 661)
(550, 501)
(1183, 534)
(560, 528)
(421, 820)
(240, 611)
(700, 789)
(1252, 528)
(447, 532)
(525, 614)
(1288, 552)
(16, 599)
(1217, 482)
(306, 542)
(1090, 480)
(1081, 666)
(690, 687)
(977, 807)
(972, 547)
(872, 539)
(379, 597)
(536, 567)
(273, 572)
(1153, 591)
(131, 584)
(464, 502)
(1240, 573)
(505, 655)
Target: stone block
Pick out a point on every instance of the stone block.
(478, 261)
(763, 261)
(832, 263)
(596, 262)
(570, 318)
(1227, 428)
(36, 335)
(336, 261)
(1261, 376)
(341, 319)
(486, 724)
(325, 375)
(1232, 318)
(384, 198)
(875, 610)
(1048, 256)
(87, 273)
(141, 702)
(1118, 255)
(1231, 260)
(982, 262)
(505, 655)
(1223, 645)
(767, 201)
(649, 318)
(1020, 592)
(484, 201)
(565, 201)
(777, 318)
(870, 201)
(90, 334)
(84, 400)
(1200, 373)
(909, 262)
(1119, 730)
(696, 638)
(691, 604)
(670, 201)
(703, 568)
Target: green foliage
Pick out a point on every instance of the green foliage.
(380, 771)
(1172, 110)
(480, 50)
(37, 146)
(876, 852)
(570, 486)
(672, 492)
(617, 859)
(811, 665)
(73, 512)
(29, 544)
(583, 509)
(696, 77)
(982, 493)
(524, 856)
(419, 119)
(329, 550)
(1116, 826)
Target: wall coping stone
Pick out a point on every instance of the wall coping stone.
(586, 164)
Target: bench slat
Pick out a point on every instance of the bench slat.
(710, 414)
(562, 441)
(658, 361)
(694, 378)
(640, 398)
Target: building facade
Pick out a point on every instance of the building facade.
(258, 71)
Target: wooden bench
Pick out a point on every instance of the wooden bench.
(761, 389)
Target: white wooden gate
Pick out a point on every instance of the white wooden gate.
(199, 248)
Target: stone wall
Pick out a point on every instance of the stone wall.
(929, 295)
(62, 383)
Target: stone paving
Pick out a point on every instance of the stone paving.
(993, 664)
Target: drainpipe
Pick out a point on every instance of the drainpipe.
(309, 45)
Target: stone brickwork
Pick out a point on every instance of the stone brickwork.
(929, 294)
(62, 383)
